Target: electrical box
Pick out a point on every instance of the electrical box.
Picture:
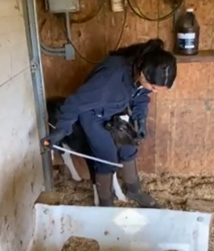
(61, 6)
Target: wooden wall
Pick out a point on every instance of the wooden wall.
(180, 139)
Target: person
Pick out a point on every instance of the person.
(125, 78)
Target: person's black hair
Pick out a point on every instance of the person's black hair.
(158, 66)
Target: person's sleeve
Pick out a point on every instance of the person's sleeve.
(89, 96)
(139, 105)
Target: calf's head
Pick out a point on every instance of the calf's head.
(122, 131)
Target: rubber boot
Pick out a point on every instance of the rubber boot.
(105, 189)
(133, 187)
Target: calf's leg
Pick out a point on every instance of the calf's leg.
(117, 189)
(52, 155)
(69, 163)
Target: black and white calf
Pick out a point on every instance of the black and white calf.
(121, 130)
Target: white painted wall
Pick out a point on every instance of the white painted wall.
(21, 176)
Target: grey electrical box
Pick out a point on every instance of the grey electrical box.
(60, 6)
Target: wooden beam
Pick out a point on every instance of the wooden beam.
(202, 56)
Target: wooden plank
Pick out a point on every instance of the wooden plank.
(202, 56)
(50, 198)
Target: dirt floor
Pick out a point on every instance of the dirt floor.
(191, 194)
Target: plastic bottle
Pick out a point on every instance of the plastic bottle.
(187, 34)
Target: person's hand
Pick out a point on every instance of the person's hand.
(142, 132)
(53, 138)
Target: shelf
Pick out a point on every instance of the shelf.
(203, 56)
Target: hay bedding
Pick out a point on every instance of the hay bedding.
(182, 193)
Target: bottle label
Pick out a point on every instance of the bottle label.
(186, 40)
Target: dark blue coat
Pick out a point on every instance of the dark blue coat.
(110, 86)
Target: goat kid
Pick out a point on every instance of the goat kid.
(121, 130)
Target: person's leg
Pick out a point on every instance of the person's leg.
(127, 155)
(102, 146)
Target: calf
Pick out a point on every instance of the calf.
(121, 130)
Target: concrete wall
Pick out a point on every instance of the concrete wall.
(21, 177)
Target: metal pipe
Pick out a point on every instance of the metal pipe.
(48, 48)
(58, 52)
(52, 54)
(31, 22)
(68, 25)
